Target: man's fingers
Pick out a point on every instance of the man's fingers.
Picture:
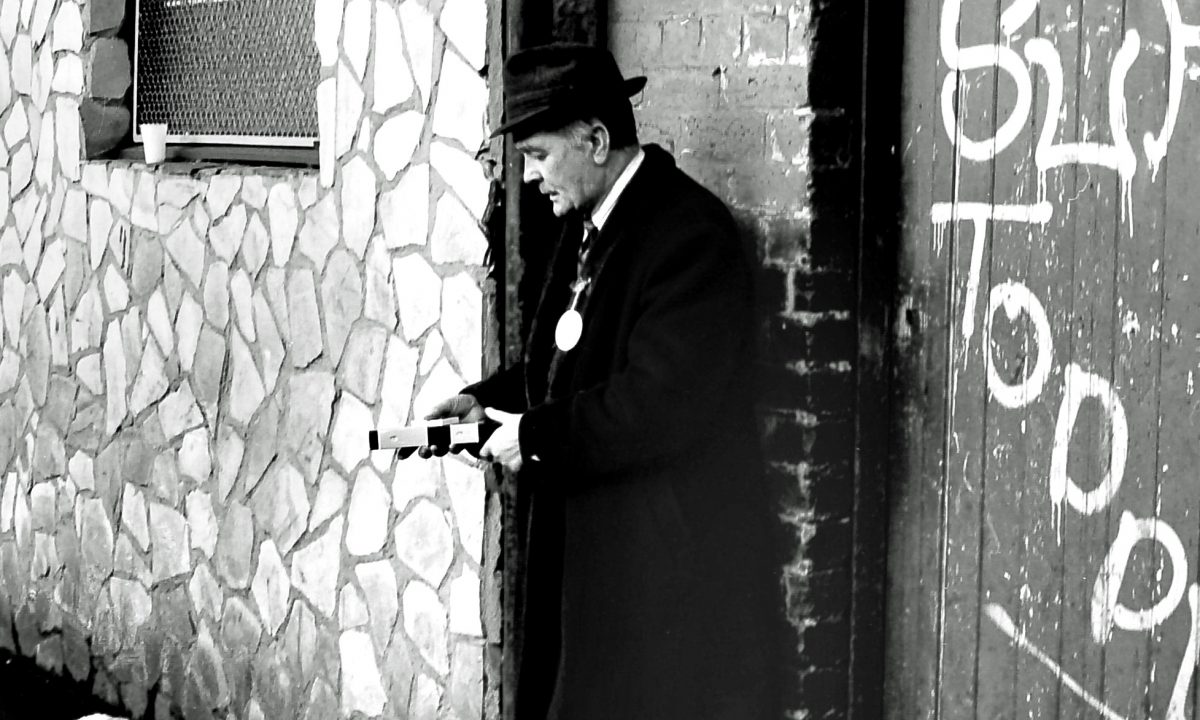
(499, 415)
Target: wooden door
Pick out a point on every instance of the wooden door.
(1045, 529)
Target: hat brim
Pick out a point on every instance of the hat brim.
(551, 115)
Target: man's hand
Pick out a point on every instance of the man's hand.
(503, 446)
(462, 408)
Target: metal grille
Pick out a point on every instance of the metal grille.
(227, 71)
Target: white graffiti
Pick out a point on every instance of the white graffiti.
(1107, 609)
(1015, 298)
(1079, 385)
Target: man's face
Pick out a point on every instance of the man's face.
(563, 164)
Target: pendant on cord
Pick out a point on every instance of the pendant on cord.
(570, 324)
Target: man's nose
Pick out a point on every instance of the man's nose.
(531, 173)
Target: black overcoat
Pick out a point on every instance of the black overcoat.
(651, 587)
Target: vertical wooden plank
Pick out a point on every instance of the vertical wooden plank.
(1136, 685)
(1096, 206)
(1050, 267)
(914, 562)
(1178, 452)
(1009, 345)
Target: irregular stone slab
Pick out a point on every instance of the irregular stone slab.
(230, 449)
(79, 469)
(424, 542)
(379, 300)
(465, 25)
(456, 236)
(188, 324)
(216, 294)
(262, 446)
(418, 295)
(241, 632)
(396, 141)
(195, 458)
(350, 99)
(37, 349)
(114, 379)
(165, 480)
(464, 176)
(358, 200)
(363, 362)
(151, 384)
(133, 516)
(270, 344)
(465, 616)
(425, 623)
(227, 233)
(99, 226)
(187, 251)
(462, 324)
(461, 109)
(270, 587)
(393, 80)
(320, 232)
(67, 135)
(178, 412)
(280, 505)
(466, 680)
(362, 687)
(208, 368)
(305, 322)
(331, 496)
(206, 669)
(350, 429)
(367, 526)
(234, 544)
(206, 593)
(54, 261)
(170, 545)
(282, 213)
(419, 37)
(327, 127)
(247, 391)
(42, 501)
(315, 568)
(378, 581)
(328, 17)
(431, 352)
(222, 189)
(322, 701)
(352, 611)
(127, 561)
(143, 213)
(341, 300)
(356, 35)
(254, 191)
(96, 541)
(256, 244)
(132, 606)
(306, 425)
(202, 521)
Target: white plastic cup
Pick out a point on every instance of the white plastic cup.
(154, 142)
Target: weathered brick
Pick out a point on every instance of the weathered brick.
(721, 39)
(680, 89)
(783, 236)
(636, 45)
(681, 42)
(766, 38)
(770, 87)
(788, 136)
(727, 135)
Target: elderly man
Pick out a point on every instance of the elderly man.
(651, 591)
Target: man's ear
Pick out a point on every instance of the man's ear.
(601, 142)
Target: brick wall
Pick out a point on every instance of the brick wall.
(761, 104)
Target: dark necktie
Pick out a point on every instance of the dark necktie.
(590, 231)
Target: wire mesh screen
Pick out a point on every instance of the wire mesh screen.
(237, 71)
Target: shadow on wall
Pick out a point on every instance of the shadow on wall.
(29, 692)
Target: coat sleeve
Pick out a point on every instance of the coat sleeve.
(688, 345)
(504, 391)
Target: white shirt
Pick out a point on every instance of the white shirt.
(605, 206)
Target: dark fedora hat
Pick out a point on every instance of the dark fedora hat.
(549, 85)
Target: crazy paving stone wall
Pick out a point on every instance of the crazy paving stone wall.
(190, 360)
